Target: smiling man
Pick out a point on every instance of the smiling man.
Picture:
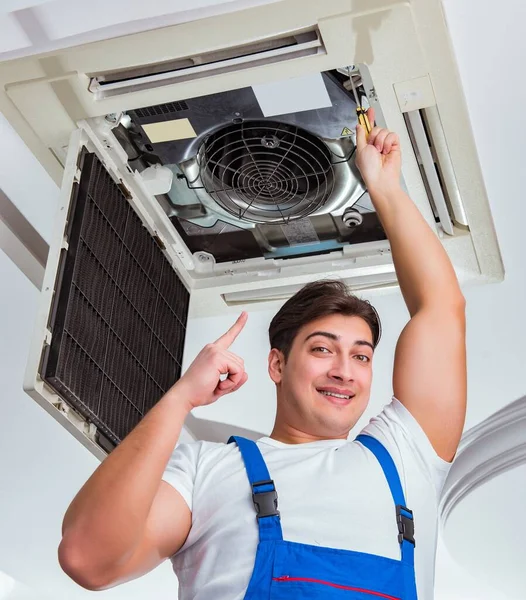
(307, 512)
(322, 343)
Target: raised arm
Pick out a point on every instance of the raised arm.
(429, 375)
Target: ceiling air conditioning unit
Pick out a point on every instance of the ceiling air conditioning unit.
(210, 165)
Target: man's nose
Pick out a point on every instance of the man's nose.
(342, 370)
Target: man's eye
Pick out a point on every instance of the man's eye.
(320, 349)
(363, 358)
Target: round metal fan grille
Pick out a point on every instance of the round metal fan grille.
(264, 171)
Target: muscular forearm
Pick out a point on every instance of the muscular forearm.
(106, 520)
(423, 268)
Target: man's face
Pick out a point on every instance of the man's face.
(324, 386)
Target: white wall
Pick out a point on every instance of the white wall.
(42, 466)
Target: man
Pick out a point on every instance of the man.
(340, 524)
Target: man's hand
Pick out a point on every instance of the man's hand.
(378, 157)
(202, 382)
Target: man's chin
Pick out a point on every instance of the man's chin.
(333, 428)
(336, 422)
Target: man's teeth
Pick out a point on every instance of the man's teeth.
(335, 395)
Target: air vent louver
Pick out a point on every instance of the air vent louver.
(161, 109)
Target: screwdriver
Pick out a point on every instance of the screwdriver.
(360, 111)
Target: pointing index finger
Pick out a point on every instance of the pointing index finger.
(227, 339)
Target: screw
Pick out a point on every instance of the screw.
(270, 141)
(352, 218)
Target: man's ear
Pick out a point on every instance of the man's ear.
(276, 362)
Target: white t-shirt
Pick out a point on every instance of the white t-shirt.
(331, 493)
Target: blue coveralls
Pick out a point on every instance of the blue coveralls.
(292, 571)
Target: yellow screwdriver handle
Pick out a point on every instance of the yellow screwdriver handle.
(363, 119)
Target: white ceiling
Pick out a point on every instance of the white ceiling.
(35, 26)
(42, 466)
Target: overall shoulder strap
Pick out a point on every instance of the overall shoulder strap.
(404, 516)
(264, 493)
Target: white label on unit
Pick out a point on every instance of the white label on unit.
(292, 95)
(415, 94)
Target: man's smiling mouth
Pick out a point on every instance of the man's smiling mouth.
(336, 394)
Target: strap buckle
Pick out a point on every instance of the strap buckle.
(266, 503)
(406, 524)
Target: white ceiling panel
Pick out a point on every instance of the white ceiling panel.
(7, 6)
(12, 36)
(63, 18)
(34, 26)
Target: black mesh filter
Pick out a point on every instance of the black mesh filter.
(119, 314)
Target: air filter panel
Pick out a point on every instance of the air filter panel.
(119, 315)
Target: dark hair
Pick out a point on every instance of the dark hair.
(316, 300)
